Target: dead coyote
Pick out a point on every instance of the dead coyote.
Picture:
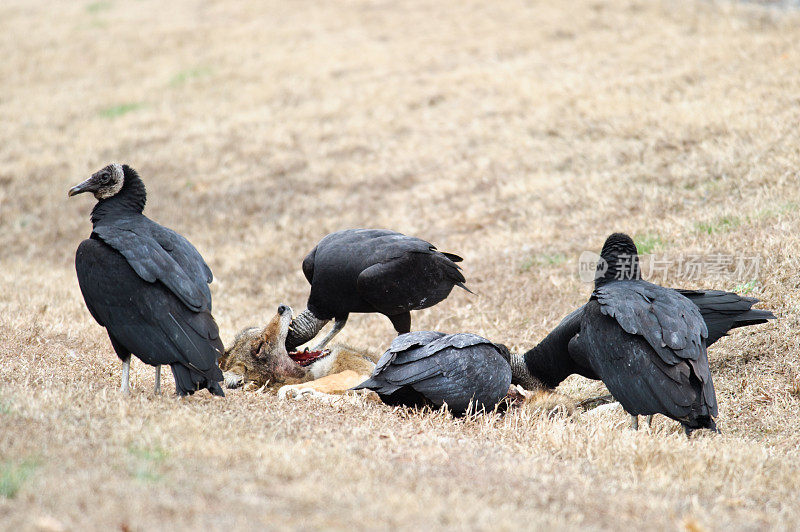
(258, 358)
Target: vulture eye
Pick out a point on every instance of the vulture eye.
(105, 177)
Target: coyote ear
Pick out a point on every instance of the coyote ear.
(223, 360)
(255, 347)
(263, 346)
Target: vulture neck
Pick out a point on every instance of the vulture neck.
(129, 200)
(549, 361)
(303, 328)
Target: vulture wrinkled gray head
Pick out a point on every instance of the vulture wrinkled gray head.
(103, 184)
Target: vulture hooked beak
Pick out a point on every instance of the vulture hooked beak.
(90, 185)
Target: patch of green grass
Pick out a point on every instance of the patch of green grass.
(746, 288)
(189, 74)
(542, 259)
(727, 223)
(647, 243)
(120, 109)
(5, 407)
(13, 476)
(718, 225)
(152, 454)
(777, 210)
(96, 7)
(146, 473)
(147, 462)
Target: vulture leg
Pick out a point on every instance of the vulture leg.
(634, 422)
(157, 390)
(125, 356)
(401, 322)
(126, 376)
(338, 325)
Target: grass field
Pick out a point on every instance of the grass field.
(517, 134)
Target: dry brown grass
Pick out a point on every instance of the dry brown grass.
(514, 133)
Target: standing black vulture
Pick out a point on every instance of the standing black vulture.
(147, 285)
(371, 270)
(433, 368)
(551, 361)
(646, 342)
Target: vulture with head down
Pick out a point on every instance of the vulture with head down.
(463, 371)
(371, 270)
(647, 355)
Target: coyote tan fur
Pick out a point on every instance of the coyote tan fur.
(258, 358)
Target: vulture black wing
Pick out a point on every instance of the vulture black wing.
(159, 254)
(670, 323)
(308, 265)
(377, 270)
(454, 369)
(723, 311)
(404, 344)
(407, 273)
(149, 319)
(647, 343)
(560, 353)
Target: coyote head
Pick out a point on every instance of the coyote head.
(258, 356)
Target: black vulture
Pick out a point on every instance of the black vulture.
(371, 270)
(551, 361)
(147, 285)
(646, 342)
(432, 368)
